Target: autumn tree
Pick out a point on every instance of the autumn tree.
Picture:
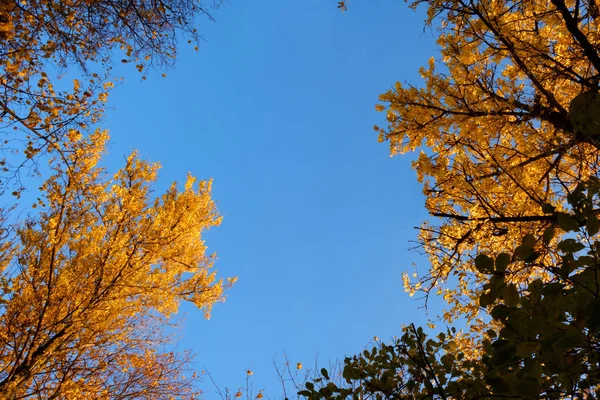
(498, 125)
(42, 40)
(90, 278)
(89, 282)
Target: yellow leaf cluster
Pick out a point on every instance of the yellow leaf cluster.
(39, 36)
(90, 282)
(491, 120)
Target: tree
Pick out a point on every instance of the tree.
(511, 130)
(90, 281)
(547, 344)
(40, 40)
(500, 150)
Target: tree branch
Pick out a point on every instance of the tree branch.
(573, 28)
(522, 218)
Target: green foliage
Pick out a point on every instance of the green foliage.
(547, 341)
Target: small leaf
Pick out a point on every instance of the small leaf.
(593, 310)
(549, 340)
(526, 348)
(569, 340)
(528, 240)
(532, 257)
(592, 225)
(524, 252)
(586, 261)
(570, 246)
(510, 294)
(549, 234)
(484, 264)
(566, 223)
(502, 261)
(548, 209)
(552, 289)
(487, 299)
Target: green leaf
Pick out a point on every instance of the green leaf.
(324, 373)
(310, 386)
(500, 312)
(583, 113)
(525, 349)
(498, 385)
(502, 261)
(549, 340)
(531, 388)
(566, 268)
(487, 299)
(570, 246)
(511, 295)
(566, 223)
(350, 373)
(569, 340)
(552, 289)
(447, 361)
(593, 310)
(528, 240)
(548, 208)
(549, 234)
(524, 252)
(484, 264)
(586, 261)
(534, 255)
(592, 225)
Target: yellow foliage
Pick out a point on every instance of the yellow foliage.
(89, 282)
(39, 36)
(492, 120)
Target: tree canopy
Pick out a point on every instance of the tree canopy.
(91, 277)
(40, 41)
(493, 121)
(507, 124)
(89, 282)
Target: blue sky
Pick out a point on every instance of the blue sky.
(277, 107)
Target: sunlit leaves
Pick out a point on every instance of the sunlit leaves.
(41, 41)
(505, 123)
(93, 278)
(503, 120)
(89, 281)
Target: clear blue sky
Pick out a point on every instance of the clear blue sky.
(278, 107)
